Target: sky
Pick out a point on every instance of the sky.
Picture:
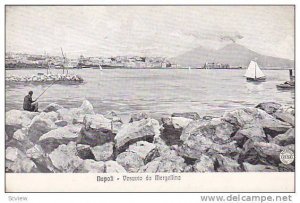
(165, 31)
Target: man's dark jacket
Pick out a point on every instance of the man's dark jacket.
(27, 103)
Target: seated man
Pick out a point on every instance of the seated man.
(28, 104)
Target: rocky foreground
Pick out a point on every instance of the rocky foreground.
(77, 140)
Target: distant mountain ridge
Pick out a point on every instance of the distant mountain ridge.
(233, 54)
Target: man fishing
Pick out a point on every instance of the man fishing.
(29, 104)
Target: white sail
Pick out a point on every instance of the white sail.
(250, 73)
(259, 73)
(254, 71)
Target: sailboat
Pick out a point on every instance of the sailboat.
(254, 73)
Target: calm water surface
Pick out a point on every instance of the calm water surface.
(158, 92)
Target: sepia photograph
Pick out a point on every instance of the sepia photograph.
(158, 92)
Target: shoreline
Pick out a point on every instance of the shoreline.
(180, 142)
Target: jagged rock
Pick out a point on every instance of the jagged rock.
(249, 132)
(189, 115)
(17, 162)
(218, 130)
(204, 164)
(285, 139)
(35, 152)
(114, 167)
(138, 116)
(213, 136)
(264, 153)
(51, 140)
(147, 151)
(94, 137)
(84, 151)
(21, 166)
(21, 134)
(143, 130)
(96, 122)
(76, 115)
(269, 107)
(52, 107)
(259, 168)
(163, 149)
(131, 161)
(96, 131)
(172, 129)
(286, 168)
(12, 154)
(87, 107)
(41, 159)
(164, 165)
(91, 166)
(16, 119)
(255, 116)
(61, 123)
(287, 109)
(290, 147)
(274, 128)
(103, 152)
(39, 126)
(225, 164)
(115, 121)
(53, 116)
(285, 117)
(64, 158)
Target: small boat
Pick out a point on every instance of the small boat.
(254, 73)
(286, 85)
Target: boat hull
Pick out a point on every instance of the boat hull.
(256, 79)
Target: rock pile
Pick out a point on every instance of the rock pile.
(78, 140)
(44, 78)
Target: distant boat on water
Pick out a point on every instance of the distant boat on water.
(254, 73)
(98, 67)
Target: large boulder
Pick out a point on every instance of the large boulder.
(171, 164)
(41, 159)
(261, 153)
(114, 167)
(254, 132)
(254, 116)
(143, 130)
(138, 116)
(16, 119)
(189, 115)
(64, 158)
(76, 115)
(131, 161)
(116, 121)
(84, 151)
(259, 168)
(285, 117)
(212, 136)
(269, 107)
(52, 107)
(287, 109)
(147, 151)
(97, 130)
(204, 164)
(172, 129)
(103, 152)
(91, 166)
(17, 162)
(285, 139)
(226, 164)
(52, 139)
(39, 126)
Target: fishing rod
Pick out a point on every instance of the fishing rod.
(46, 89)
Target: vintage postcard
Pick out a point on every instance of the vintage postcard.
(149, 98)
